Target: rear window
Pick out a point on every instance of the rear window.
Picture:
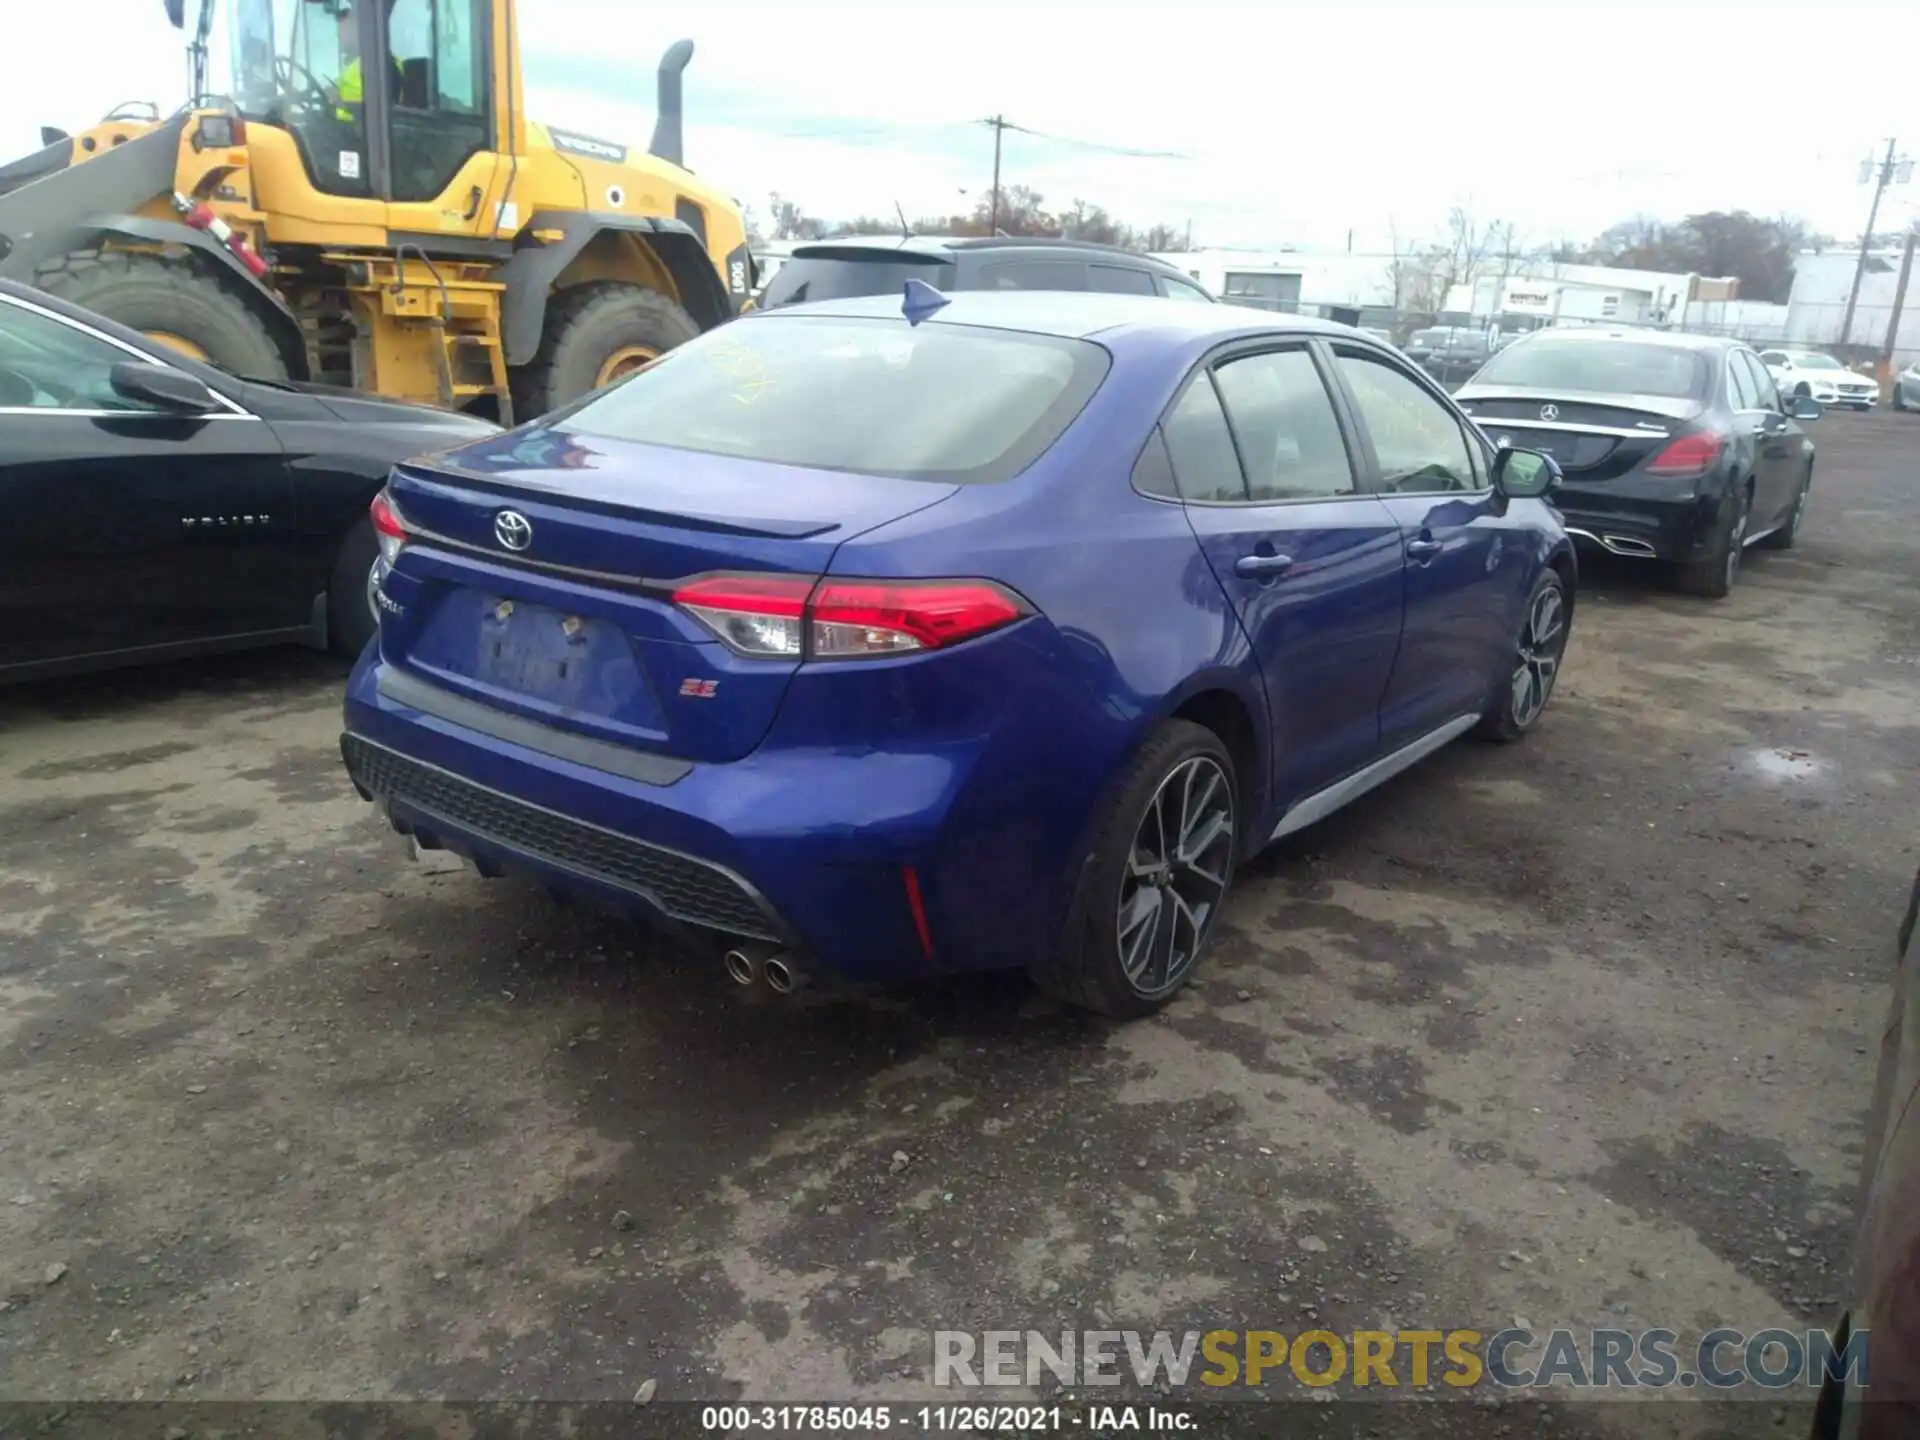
(877, 397)
(842, 277)
(1610, 367)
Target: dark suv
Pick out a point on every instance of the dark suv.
(880, 265)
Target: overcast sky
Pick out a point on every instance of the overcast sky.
(1299, 123)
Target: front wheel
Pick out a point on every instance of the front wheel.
(1162, 863)
(1543, 644)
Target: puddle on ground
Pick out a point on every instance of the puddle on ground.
(1781, 763)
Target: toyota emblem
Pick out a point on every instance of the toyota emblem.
(513, 530)
(1549, 412)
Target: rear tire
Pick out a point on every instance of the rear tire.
(1542, 647)
(163, 294)
(1132, 889)
(586, 326)
(351, 621)
(1789, 534)
(1713, 578)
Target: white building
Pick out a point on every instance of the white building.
(1311, 281)
(1555, 294)
(1818, 305)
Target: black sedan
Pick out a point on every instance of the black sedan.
(1449, 353)
(157, 507)
(1675, 448)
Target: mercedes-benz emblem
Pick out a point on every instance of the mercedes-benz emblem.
(1549, 412)
(513, 530)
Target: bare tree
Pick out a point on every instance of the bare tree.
(1463, 253)
(1410, 275)
(790, 222)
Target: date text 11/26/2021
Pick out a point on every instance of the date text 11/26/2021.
(952, 1419)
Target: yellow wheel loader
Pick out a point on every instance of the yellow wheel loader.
(360, 200)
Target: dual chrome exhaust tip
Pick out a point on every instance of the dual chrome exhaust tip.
(1631, 545)
(752, 964)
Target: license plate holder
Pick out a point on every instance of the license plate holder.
(536, 651)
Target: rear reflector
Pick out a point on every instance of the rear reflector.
(1689, 455)
(917, 905)
(793, 617)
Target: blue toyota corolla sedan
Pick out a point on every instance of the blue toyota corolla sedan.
(884, 638)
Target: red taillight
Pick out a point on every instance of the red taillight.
(879, 617)
(792, 616)
(1689, 455)
(388, 528)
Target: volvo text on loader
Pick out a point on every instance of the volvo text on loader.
(369, 206)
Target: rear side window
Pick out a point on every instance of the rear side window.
(1180, 290)
(1119, 280)
(1201, 447)
(1034, 275)
(879, 397)
(1607, 367)
(811, 277)
(1740, 385)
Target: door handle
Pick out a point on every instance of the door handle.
(1423, 549)
(474, 197)
(1262, 567)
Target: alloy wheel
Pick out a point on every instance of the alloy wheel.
(1541, 642)
(373, 588)
(1176, 876)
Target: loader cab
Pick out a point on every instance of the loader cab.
(386, 100)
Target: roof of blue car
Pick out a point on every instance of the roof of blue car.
(1077, 314)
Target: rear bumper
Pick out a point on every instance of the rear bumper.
(1641, 518)
(801, 844)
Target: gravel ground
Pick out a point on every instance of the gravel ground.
(1575, 1030)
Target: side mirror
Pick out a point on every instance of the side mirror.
(1524, 474)
(157, 385)
(1805, 407)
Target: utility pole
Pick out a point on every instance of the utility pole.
(999, 124)
(1900, 296)
(1881, 179)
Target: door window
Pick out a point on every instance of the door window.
(297, 65)
(438, 54)
(1290, 442)
(1418, 443)
(1201, 447)
(46, 364)
(1118, 280)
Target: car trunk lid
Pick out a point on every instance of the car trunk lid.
(539, 571)
(1593, 437)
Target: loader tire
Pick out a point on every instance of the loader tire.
(168, 298)
(590, 327)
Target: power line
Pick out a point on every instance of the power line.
(999, 124)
